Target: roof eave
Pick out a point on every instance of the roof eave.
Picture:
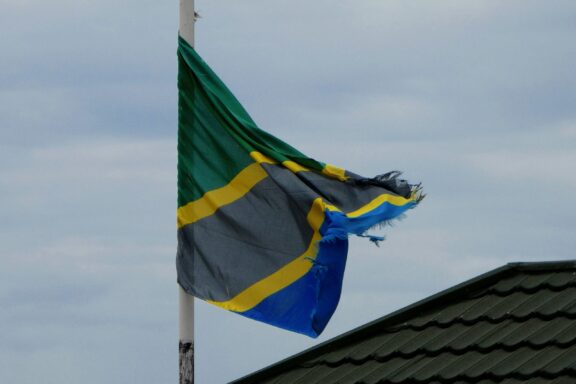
(400, 315)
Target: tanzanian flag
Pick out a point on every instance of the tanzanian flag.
(262, 228)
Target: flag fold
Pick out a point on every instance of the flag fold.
(262, 228)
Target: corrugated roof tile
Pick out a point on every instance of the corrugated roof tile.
(510, 283)
(434, 365)
(396, 341)
(472, 364)
(563, 361)
(512, 304)
(500, 332)
(559, 330)
(359, 374)
(446, 337)
(410, 368)
(321, 374)
(540, 359)
(413, 341)
(562, 301)
(292, 376)
(392, 368)
(479, 334)
(562, 279)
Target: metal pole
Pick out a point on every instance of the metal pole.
(186, 301)
(187, 19)
(186, 343)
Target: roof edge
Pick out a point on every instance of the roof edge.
(543, 265)
(399, 315)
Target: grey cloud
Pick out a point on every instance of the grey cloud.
(475, 99)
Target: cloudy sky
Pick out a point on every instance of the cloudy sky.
(476, 99)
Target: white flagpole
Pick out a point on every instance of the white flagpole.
(187, 19)
(186, 301)
(186, 342)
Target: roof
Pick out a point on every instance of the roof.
(513, 325)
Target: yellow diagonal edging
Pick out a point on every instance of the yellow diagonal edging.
(284, 276)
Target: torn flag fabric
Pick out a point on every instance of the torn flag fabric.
(262, 228)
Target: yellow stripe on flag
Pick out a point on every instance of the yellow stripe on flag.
(335, 172)
(385, 198)
(284, 276)
(217, 198)
(234, 190)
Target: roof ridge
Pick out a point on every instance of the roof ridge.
(527, 266)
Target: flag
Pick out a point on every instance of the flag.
(262, 228)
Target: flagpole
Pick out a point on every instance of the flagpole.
(186, 336)
(186, 301)
(187, 19)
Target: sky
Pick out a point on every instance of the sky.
(476, 99)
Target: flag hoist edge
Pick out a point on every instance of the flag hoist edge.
(262, 228)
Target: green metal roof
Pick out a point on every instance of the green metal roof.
(513, 325)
